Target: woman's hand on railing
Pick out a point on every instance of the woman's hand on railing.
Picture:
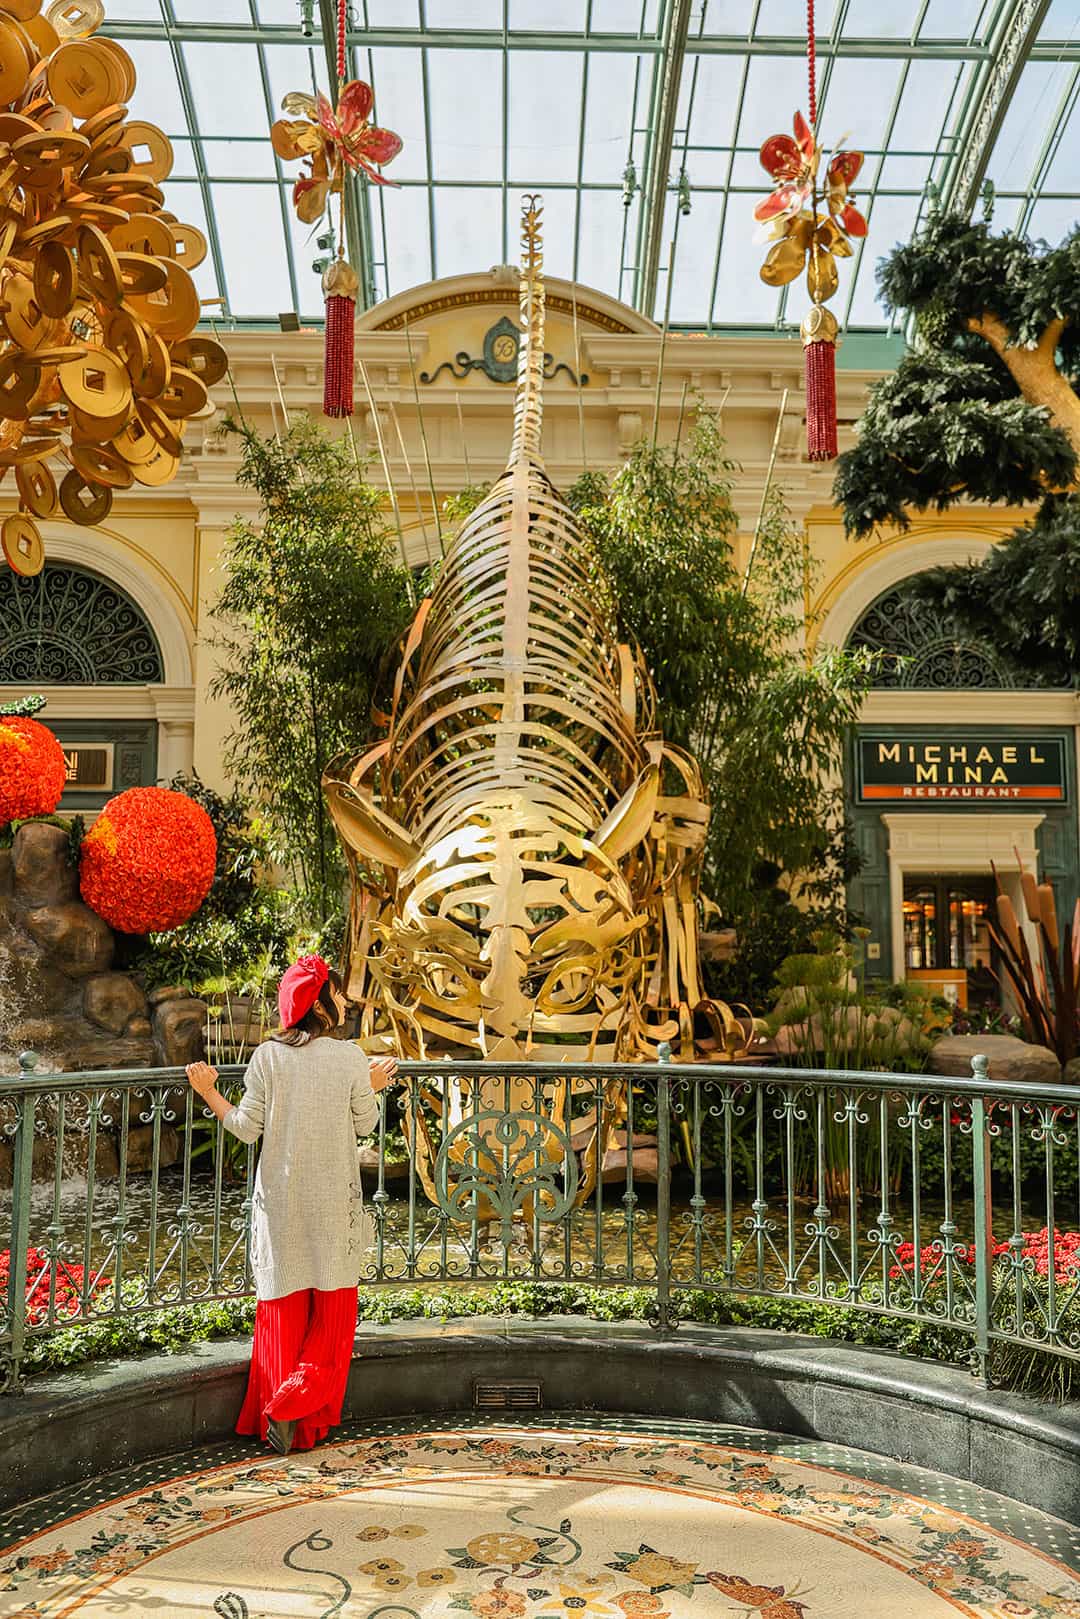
(202, 1078)
(383, 1070)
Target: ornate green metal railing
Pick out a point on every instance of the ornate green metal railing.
(948, 1202)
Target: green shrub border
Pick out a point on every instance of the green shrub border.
(177, 1327)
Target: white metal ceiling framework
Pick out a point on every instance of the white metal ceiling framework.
(639, 120)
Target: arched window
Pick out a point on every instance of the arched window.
(69, 626)
(923, 653)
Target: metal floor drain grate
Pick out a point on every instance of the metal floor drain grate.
(507, 1396)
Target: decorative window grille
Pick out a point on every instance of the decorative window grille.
(70, 627)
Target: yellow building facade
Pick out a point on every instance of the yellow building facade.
(127, 661)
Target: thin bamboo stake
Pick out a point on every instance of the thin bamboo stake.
(412, 480)
(359, 465)
(664, 329)
(464, 443)
(424, 442)
(280, 391)
(577, 370)
(765, 492)
(391, 489)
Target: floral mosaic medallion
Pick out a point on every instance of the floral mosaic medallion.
(505, 1523)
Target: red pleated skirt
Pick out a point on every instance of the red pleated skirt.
(300, 1360)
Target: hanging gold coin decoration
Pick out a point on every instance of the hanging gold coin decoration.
(100, 370)
(21, 544)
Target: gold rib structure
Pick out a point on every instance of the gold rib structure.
(525, 847)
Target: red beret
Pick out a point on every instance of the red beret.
(299, 989)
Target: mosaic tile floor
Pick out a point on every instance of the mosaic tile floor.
(546, 1519)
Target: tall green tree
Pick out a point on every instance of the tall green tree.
(313, 600)
(983, 407)
(725, 647)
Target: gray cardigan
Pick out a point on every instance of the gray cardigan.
(309, 1103)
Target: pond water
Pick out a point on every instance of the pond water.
(177, 1250)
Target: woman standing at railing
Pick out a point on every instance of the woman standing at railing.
(309, 1096)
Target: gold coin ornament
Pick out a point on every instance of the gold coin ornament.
(21, 545)
(100, 366)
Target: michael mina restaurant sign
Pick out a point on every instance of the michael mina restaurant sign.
(961, 769)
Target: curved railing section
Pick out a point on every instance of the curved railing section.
(950, 1202)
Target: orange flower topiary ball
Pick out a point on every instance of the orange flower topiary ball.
(32, 769)
(148, 860)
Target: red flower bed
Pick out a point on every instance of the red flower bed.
(32, 769)
(70, 1285)
(148, 860)
(1036, 1247)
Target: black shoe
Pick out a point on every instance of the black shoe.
(280, 1436)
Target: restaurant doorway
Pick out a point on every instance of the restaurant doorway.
(947, 943)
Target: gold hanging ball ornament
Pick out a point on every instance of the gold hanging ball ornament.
(100, 366)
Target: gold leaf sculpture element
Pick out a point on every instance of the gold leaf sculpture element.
(537, 843)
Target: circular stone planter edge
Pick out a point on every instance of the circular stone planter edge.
(70, 1426)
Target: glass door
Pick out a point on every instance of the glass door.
(947, 940)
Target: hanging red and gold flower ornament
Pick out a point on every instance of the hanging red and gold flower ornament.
(811, 221)
(333, 140)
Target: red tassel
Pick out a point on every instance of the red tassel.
(819, 334)
(340, 286)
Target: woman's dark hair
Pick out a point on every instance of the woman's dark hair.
(323, 1018)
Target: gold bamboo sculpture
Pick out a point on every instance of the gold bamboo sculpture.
(539, 842)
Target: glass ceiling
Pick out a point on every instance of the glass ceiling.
(602, 105)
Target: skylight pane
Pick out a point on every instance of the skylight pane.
(464, 13)
(1027, 124)
(892, 220)
(278, 13)
(1065, 164)
(243, 160)
(603, 218)
(465, 148)
(741, 295)
(956, 19)
(548, 16)
(305, 252)
(183, 159)
(880, 19)
(157, 93)
(1052, 219)
(468, 229)
(226, 89)
(250, 230)
(122, 11)
(609, 111)
(775, 17)
(390, 13)
(185, 201)
(694, 263)
(399, 98)
(712, 117)
(930, 100)
(775, 87)
(219, 11)
(1062, 22)
(291, 67)
(859, 101)
(545, 116)
(625, 16)
(408, 239)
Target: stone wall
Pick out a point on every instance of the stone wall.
(62, 997)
